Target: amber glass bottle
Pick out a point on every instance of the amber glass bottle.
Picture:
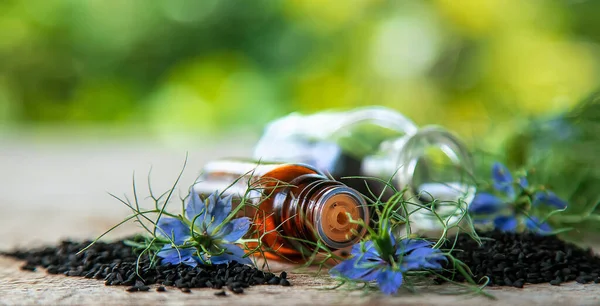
(293, 205)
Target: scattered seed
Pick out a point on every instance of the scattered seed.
(519, 283)
(516, 259)
(582, 280)
(555, 282)
(28, 267)
(274, 281)
(143, 288)
(115, 264)
(238, 290)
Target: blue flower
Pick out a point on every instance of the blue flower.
(534, 222)
(549, 198)
(203, 232)
(506, 223)
(490, 205)
(368, 264)
(552, 131)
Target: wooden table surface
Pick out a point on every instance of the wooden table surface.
(51, 189)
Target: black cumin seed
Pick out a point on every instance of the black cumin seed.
(523, 258)
(238, 290)
(518, 284)
(555, 282)
(582, 280)
(499, 256)
(274, 281)
(28, 267)
(115, 264)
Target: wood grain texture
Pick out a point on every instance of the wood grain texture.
(50, 191)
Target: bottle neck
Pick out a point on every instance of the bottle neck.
(318, 209)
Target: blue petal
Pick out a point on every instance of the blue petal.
(370, 252)
(205, 220)
(232, 253)
(389, 281)
(408, 245)
(357, 248)
(550, 198)
(563, 130)
(503, 180)
(392, 237)
(194, 207)
(174, 229)
(544, 228)
(364, 265)
(170, 255)
(356, 269)
(483, 222)
(235, 229)
(485, 203)
(533, 224)
(220, 211)
(423, 258)
(506, 223)
(523, 182)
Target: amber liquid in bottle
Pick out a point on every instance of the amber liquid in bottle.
(293, 205)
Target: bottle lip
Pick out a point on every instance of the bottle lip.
(413, 149)
(453, 198)
(397, 158)
(331, 221)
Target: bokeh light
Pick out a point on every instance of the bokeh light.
(221, 66)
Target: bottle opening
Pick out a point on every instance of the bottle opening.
(437, 169)
(435, 165)
(438, 176)
(337, 222)
(342, 219)
(316, 208)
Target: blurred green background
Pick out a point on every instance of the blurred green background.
(209, 66)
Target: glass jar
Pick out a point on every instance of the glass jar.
(426, 163)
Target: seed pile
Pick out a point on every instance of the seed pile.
(115, 263)
(515, 259)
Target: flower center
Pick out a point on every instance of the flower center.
(203, 241)
(522, 204)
